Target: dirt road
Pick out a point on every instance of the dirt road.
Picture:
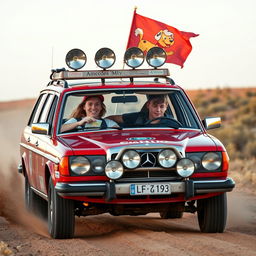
(144, 235)
(24, 234)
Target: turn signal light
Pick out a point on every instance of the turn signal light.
(64, 166)
(225, 161)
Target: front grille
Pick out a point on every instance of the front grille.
(148, 159)
(149, 174)
(149, 167)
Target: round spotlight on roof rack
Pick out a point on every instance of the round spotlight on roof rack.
(156, 57)
(105, 58)
(76, 59)
(134, 57)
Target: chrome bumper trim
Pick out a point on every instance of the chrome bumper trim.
(188, 187)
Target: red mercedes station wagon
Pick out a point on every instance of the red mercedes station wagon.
(124, 142)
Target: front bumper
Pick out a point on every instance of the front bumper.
(110, 189)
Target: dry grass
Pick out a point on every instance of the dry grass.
(243, 172)
(4, 250)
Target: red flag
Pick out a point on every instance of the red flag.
(146, 33)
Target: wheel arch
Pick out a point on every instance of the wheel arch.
(24, 165)
(48, 172)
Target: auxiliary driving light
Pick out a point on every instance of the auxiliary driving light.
(76, 59)
(131, 159)
(105, 58)
(114, 170)
(156, 57)
(167, 158)
(185, 167)
(134, 57)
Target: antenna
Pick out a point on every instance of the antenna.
(52, 55)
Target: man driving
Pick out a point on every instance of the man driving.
(151, 112)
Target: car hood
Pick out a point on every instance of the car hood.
(101, 141)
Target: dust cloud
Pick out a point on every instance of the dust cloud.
(12, 206)
(241, 212)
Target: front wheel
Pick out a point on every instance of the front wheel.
(61, 217)
(212, 214)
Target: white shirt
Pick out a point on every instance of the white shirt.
(97, 123)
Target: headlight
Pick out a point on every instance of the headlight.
(114, 170)
(156, 57)
(131, 159)
(167, 158)
(211, 161)
(134, 57)
(196, 158)
(97, 165)
(79, 165)
(185, 167)
(76, 59)
(105, 58)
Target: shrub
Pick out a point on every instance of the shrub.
(238, 113)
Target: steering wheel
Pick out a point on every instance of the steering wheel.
(173, 122)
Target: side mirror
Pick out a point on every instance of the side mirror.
(212, 122)
(40, 128)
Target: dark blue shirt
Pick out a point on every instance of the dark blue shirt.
(140, 118)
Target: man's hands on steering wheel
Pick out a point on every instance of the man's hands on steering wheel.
(170, 122)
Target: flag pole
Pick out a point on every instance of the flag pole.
(134, 13)
(133, 18)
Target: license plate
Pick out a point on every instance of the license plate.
(150, 189)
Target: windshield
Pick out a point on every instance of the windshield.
(126, 109)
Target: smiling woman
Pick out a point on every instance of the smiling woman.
(89, 113)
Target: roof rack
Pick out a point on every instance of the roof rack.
(62, 83)
(168, 79)
(62, 74)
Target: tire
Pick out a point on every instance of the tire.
(212, 214)
(61, 217)
(30, 196)
(34, 203)
(174, 211)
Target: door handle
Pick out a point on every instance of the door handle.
(28, 139)
(37, 143)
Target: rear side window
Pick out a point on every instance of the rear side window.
(37, 109)
(52, 110)
(46, 109)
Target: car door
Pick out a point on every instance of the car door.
(28, 142)
(42, 140)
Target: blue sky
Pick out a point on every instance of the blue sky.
(223, 55)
